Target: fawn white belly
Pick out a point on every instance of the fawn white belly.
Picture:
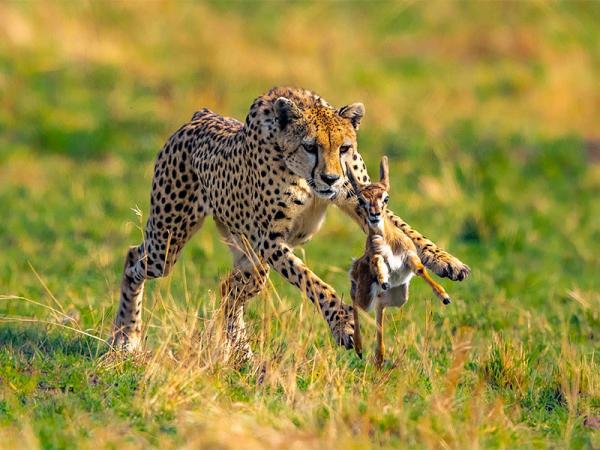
(399, 274)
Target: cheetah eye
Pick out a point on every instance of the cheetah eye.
(361, 202)
(386, 200)
(310, 148)
(344, 149)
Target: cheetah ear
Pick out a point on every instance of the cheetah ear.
(286, 112)
(354, 113)
(384, 172)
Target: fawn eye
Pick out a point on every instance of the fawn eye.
(310, 148)
(344, 149)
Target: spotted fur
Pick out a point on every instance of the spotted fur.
(266, 183)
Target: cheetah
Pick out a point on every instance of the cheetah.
(380, 277)
(267, 183)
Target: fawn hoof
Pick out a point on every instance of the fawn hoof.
(385, 286)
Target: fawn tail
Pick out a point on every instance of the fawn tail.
(419, 269)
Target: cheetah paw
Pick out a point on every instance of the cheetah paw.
(343, 329)
(453, 269)
(123, 342)
(237, 353)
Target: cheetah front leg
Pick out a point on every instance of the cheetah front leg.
(245, 281)
(338, 315)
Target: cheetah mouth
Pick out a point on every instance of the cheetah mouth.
(326, 193)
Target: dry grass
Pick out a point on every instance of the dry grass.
(485, 110)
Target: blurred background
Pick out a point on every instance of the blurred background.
(489, 112)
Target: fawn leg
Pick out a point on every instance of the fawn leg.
(357, 336)
(355, 305)
(419, 269)
(381, 269)
(379, 351)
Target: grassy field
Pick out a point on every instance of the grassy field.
(489, 113)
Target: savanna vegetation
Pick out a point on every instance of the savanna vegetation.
(489, 113)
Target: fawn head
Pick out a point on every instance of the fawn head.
(373, 198)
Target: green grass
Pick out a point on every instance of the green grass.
(489, 115)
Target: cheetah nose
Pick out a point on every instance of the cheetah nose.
(329, 178)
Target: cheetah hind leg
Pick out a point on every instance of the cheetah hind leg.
(152, 259)
(127, 328)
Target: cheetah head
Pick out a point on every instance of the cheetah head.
(317, 140)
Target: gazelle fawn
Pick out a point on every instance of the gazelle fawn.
(381, 275)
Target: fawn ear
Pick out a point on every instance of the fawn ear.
(286, 112)
(353, 181)
(353, 112)
(384, 172)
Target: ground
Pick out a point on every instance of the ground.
(489, 116)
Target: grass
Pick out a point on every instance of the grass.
(488, 112)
